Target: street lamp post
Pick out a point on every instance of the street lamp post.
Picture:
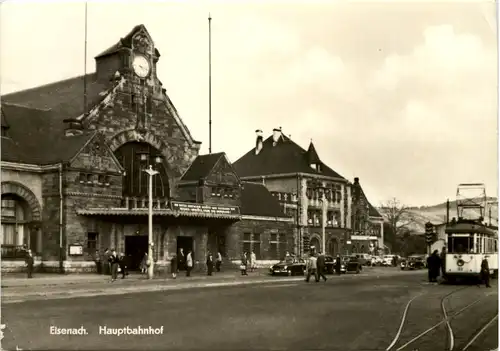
(323, 236)
(151, 172)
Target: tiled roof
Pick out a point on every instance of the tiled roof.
(312, 155)
(201, 166)
(28, 138)
(256, 200)
(35, 119)
(285, 157)
(64, 98)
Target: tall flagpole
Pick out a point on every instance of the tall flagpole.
(209, 84)
(85, 67)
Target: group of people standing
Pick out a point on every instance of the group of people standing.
(181, 262)
(436, 263)
(316, 265)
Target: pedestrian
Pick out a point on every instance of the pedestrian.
(123, 265)
(442, 257)
(433, 263)
(173, 266)
(485, 272)
(210, 263)
(106, 266)
(144, 263)
(30, 261)
(114, 262)
(181, 260)
(311, 268)
(189, 263)
(320, 263)
(253, 260)
(338, 265)
(218, 262)
(244, 263)
(97, 260)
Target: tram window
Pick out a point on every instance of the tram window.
(460, 244)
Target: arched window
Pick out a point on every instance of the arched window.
(135, 157)
(13, 220)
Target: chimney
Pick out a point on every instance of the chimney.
(258, 142)
(356, 180)
(276, 135)
(74, 127)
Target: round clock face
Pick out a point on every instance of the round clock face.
(141, 66)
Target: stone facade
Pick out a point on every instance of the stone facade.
(97, 198)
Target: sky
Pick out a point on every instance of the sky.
(401, 94)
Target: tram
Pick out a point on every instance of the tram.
(469, 239)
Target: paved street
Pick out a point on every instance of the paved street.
(345, 313)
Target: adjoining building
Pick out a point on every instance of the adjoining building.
(319, 199)
(73, 182)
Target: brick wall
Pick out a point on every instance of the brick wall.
(235, 233)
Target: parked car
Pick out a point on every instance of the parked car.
(294, 266)
(387, 261)
(413, 262)
(363, 259)
(329, 264)
(352, 265)
(377, 261)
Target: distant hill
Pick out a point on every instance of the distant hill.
(436, 214)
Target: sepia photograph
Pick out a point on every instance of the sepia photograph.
(249, 175)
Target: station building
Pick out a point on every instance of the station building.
(322, 202)
(73, 182)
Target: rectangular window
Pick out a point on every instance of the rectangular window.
(92, 242)
(9, 208)
(282, 245)
(256, 246)
(274, 247)
(9, 233)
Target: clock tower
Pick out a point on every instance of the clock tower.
(134, 56)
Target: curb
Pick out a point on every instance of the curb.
(135, 289)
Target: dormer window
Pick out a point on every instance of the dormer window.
(316, 167)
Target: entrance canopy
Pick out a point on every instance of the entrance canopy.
(175, 209)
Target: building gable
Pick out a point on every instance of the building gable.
(223, 173)
(96, 155)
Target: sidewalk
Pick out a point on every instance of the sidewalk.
(53, 286)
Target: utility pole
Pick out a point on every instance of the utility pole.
(209, 84)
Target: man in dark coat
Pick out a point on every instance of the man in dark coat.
(442, 257)
(181, 260)
(320, 267)
(210, 264)
(30, 261)
(433, 263)
(338, 265)
(123, 264)
(485, 272)
(173, 266)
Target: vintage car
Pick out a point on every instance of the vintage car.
(377, 261)
(413, 262)
(329, 264)
(363, 259)
(352, 265)
(292, 266)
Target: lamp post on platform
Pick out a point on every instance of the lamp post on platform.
(151, 173)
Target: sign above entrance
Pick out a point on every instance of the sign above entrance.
(208, 209)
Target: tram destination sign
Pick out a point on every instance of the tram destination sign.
(208, 209)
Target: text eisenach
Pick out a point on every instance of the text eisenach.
(68, 331)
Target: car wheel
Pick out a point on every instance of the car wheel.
(357, 271)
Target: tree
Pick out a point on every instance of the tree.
(397, 215)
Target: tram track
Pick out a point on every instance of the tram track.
(432, 337)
